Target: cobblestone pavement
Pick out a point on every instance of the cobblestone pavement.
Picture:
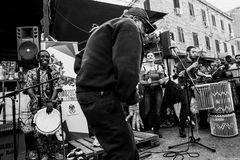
(226, 148)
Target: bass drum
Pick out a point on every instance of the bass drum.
(47, 123)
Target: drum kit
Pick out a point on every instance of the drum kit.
(217, 98)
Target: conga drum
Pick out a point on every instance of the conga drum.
(223, 125)
(203, 97)
(222, 98)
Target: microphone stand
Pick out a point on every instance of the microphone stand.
(13, 98)
(61, 118)
(191, 138)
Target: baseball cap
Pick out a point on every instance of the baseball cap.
(142, 15)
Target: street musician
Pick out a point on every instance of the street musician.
(191, 64)
(42, 146)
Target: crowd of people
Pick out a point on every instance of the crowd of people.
(159, 93)
(110, 75)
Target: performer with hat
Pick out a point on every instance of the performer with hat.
(108, 76)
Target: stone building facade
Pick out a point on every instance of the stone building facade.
(195, 22)
(235, 14)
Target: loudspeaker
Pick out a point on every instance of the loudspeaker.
(166, 43)
(27, 42)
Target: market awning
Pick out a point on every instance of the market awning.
(71, 20)
(74, 18)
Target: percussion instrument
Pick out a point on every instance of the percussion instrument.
(222, 98)
(203, 97)
(223, 125)
(47, 123)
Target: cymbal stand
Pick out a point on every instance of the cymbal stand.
(191, 139)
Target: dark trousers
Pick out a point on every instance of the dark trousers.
(104, 112)
(185, 109)
(152, 102)
(203, 116)
(185, 96)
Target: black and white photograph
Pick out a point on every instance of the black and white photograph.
(120, 80)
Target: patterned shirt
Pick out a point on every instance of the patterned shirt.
(32, 79)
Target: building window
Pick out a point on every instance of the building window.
(217, 46)
(207, 43)
(222, 24)
(225, 47)
(229, 28)
(191, 9)
(180, 35)
(233, 51)
(176, 3)
(213, 20)
(195, 39)
(171, 36)
(147, 5)
(238, 45)
(204, 17)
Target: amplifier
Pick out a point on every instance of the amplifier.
(7, 144)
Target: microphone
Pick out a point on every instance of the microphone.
(172, 47)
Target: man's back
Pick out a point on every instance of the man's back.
(111, 60)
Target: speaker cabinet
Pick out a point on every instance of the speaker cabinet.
(166, 43)
(27, 42)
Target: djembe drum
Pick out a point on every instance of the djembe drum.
(222, 98)
(222, 117)
(47, 124)
(203, 97)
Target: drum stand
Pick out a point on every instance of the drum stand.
(191, 138)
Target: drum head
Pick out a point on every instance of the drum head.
(47, 123)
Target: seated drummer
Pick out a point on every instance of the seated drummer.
(46, 146)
